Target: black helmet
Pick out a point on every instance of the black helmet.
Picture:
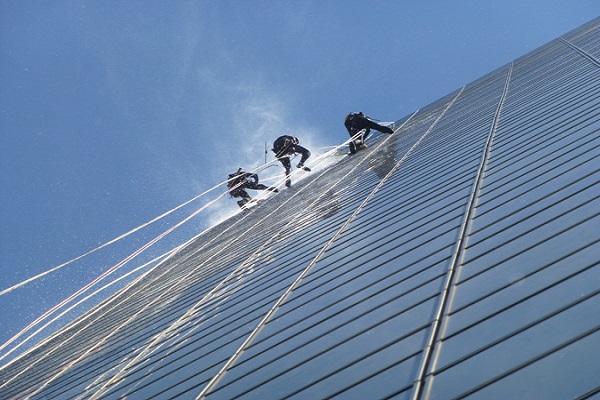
(354, 114)
(235, 173)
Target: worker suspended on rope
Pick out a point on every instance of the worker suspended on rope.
(239, 181)
(284, 147)
(356, 122)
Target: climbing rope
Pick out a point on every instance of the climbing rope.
(280, 180)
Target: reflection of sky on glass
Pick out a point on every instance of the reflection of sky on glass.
(112, 114)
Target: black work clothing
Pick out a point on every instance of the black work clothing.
(356, 122)
(239, 181)
(284, 147)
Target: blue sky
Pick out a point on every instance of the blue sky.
(114, 112)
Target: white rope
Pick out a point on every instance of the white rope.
(282, 298)
(160, 336)
(319, 160)
(164, 333)
(95, 345)
(80, 302)
(106, 274)
(53, 269)
(45, 315)
(119, 265)
(118, 238)
(178, 322)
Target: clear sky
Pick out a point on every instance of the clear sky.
(114, 112)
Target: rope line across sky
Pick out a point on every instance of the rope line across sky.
(318, 162)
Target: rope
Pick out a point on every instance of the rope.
(319, 160)
(107, 273)
(56, 268)
(325, 156)
(112, 241)
(166, 332)
(213, 382)
(82, 301)
(111, 270)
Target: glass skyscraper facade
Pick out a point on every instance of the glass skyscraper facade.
(456, 258)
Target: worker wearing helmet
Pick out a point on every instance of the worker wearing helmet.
(239, 181)
(355, 123)
(286, 146)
